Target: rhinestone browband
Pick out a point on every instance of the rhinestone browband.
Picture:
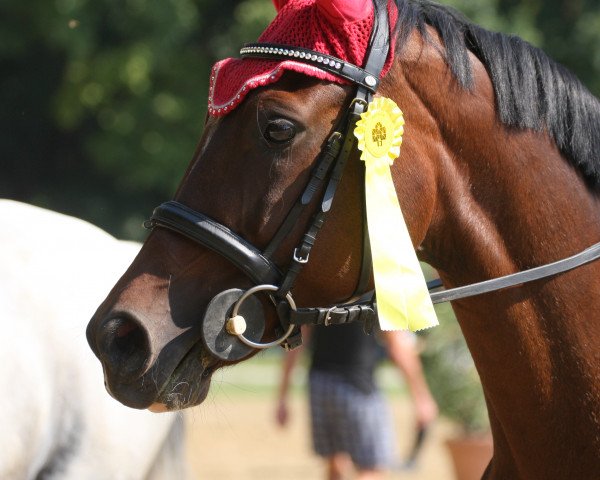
(340, 68)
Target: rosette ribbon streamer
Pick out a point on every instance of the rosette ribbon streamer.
(403, 300)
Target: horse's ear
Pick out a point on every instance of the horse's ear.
(342, 11)
(279, 4)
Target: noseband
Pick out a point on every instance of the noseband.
(233, 322)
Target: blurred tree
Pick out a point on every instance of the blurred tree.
(568, 30)
(103, 102)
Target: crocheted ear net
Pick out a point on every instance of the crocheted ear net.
(299, 23)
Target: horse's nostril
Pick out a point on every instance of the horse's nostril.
(124, 347)
(125, 329)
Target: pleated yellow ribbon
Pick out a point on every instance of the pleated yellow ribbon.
(403, 300)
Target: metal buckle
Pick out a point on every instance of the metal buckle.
(363, 104)
(327, 321)
(148, 224)
(298, 258)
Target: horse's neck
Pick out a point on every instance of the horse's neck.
(507, 201)
(535, 346)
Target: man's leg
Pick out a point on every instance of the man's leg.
(370, 474)
(339, 466)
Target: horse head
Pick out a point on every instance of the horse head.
(252, 164)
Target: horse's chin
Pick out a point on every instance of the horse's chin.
(189, 383)
(158, 408)
(186, 386)
(181, 393)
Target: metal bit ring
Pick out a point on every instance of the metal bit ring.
(252, 291)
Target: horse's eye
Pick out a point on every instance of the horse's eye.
(280, 131)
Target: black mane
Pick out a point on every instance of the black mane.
(532, 91)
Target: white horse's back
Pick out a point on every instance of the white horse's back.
(55, 414)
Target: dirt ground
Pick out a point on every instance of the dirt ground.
(233, 436)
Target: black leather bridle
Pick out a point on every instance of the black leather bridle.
(218, 329)
(233, 323)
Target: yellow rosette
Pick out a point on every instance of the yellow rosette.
(403, 300)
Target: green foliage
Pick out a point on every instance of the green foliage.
(103, 102)
(569, 31)
(452, 376)
(450, 371)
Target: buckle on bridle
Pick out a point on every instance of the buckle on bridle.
(298, 258)
(327, 320)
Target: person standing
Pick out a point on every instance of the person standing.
(350, 420)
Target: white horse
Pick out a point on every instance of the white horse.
(56, 419)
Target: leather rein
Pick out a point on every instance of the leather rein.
(233, 316)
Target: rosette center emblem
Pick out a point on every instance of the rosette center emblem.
(379, 131)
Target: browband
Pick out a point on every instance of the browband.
(333, 65)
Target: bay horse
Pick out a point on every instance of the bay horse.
(56, 419)
(499, 173)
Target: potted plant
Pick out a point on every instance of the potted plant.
(455, 384)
